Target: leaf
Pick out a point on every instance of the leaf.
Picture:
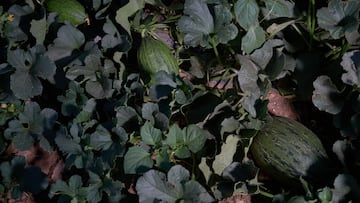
(30, 179)
(30, 66)
(73, 101)
(351, 65)
(345, 185)
(326, 96)
(137, 160)
(194, 138)
(30, 126)
(247, 77)
(88, 70)
(275, 28)
(113, 38)
(247, 13)
(38, 29)
(154, 186)
(253, 39)
(68, 39)
(263, 55)
(339, 17)
(189, 139)
(73, 188)
(224, 29)
(150, 135)
(124, 115)
(278, 8)
(100, 89)
(225, 158)
(123, 13)
(101, 138)
(197, 23)
(68, 145)
(340, 147)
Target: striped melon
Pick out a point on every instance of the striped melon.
(287, 150)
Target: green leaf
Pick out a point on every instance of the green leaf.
(263, 55)
(123, 13)
(101, 138)
(197, 23)
(125, 115)
(190, 138)
(339, 17)
(88, 70)
(278, 8)
(351, 65)
(73, 101)
(137, 160)
(100, 185)
(38, 29)
(345, 185)
(325, 195)
(224, 29)
(326, 96)
(100, 89)
(247, 77)
(225, 158)
(247, 13)
(113, 38)
(30, 127)
(30, 66)
(12, 169)
(253, 39)
(68, 145)
(194, 138)
(68, 39)
(73, 189)
(150, 135)
(154, 186)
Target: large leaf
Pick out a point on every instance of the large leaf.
(197, 23)
(30, 127)
(113, 38)
(88, 70)
(253, 39)
(137, 160)
(72, 189)
(68, 39)
(101, 138)
(351, 64)
(150, 135)
(339, 17)
(278, 8)
(247, 13)
(154, 186)
(224, 29)
(123, 14)
(68, 144)
(30, 66)
(326, 96)
(225, 158)
(189, 139)
(247, 77)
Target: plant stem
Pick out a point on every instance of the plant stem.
(213, 44)
(311, 21)
(266, 194)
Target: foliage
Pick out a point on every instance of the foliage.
(74, 87)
